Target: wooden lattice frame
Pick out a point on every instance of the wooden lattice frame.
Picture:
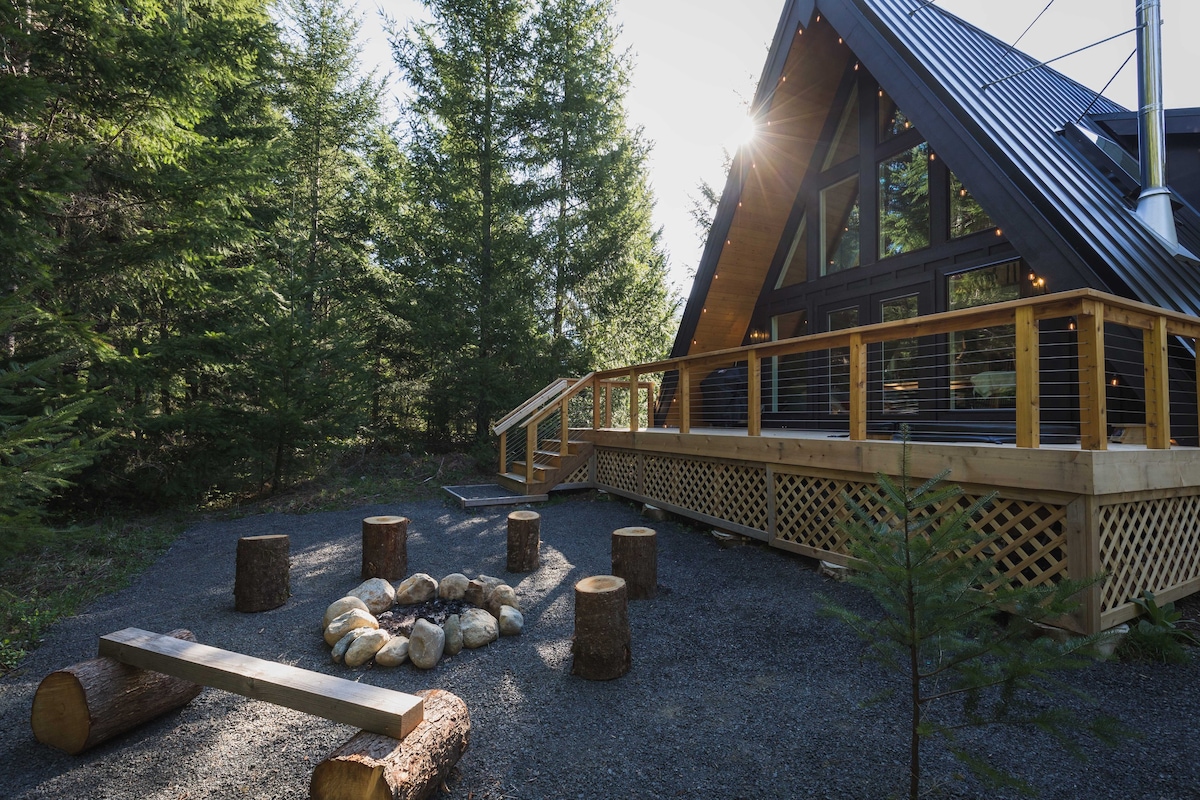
(618, 469)
(580, 475)
(735, 493)
(1148, 544)
(1026, 539)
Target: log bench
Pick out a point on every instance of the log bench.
(140, 675)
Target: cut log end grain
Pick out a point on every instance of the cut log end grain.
(90, 702)
(374, 767)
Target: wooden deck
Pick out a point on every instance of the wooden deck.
(1095, 506)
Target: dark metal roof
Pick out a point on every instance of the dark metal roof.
(1064, 215)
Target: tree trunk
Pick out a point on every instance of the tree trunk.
(524, 539)
(601, 648)
(92, 701)
(385, 548)
(262, 581)
(635, 558)
(374, 767)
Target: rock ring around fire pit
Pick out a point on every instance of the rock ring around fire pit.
(420, 619)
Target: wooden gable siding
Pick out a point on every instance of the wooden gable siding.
(773, 167)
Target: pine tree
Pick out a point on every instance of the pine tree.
(472, 291)
(958, 634)
(604, 272)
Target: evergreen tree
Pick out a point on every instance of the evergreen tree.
(960, 636)
(597, 250)
(469, 267)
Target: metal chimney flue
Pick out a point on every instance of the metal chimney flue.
(1154, 202)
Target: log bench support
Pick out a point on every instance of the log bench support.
(635, 558)
(385, 548)
(524, 539)
(601, 650)
(263, 580)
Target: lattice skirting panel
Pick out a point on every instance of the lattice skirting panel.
(618, 469)
(733, 492)
(1148, 544)
(1026, 539)
(580, 475)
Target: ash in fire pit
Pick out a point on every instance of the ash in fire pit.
(400, 620)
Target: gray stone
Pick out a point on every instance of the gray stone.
(502, 595)
(479, 628)
(453, 586)
(426, 644)
(364, 648)
(343, 644)
(377, 593)
(416, 589)
(454, 637)
(475, 592)
(653, 513)
(511, 621)
(837, 572)
(344, 623)
(394, 653)
(339, 607)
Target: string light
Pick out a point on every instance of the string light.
(1071, 323)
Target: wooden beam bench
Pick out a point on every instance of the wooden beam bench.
(364, 706)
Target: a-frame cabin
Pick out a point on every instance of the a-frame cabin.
(930, 231)
(908, 163)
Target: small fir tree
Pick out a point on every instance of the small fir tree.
(967, 657)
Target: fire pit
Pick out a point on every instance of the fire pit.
(420, 620)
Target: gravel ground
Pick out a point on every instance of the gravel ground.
(739, 688)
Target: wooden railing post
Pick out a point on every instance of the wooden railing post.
(595, 404)
(564, 430)
(530, 450)
(1158, 401)
(503, 452)
(633, 401)
(1093, 401)
(650, 404)
(858, 388)
(753, 394)
(1028, 379)
(685, 398)
(607, 405)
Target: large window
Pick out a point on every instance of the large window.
(795, 266)
(839, 362)
(839, 226)
(966, 215)
(982, 368)
(900, 360)
(904, 202)
(891, 120)
(789, 374)
(845, 139)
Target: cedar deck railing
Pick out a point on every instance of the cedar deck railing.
(1087, 311)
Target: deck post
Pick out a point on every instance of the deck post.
(595, 404)
(607, 404)
(1028, 379)
(530, 450)
(858, 388)
(564, 430)
(754, 394)
(1083, 560)
(503, 452)
(1158, 404)
(633, 401)
(649, 404)
(1093, 402)
(685, 398)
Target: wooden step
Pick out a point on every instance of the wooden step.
(552, 446)
(364, 706)
(539, 470)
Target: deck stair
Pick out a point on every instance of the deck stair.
(550, 467)
(537, 451)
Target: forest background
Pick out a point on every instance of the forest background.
(222, 266)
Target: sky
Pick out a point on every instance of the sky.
(697, 63)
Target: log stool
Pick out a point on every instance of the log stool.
(262, 581)
(385, 548)
(601, 650)
(635, 558)
(524, 538)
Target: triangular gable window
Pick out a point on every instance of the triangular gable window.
(892, 121)
(966, 215)
(795, 266)
(845, 139)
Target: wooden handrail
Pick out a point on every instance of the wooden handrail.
(513, 417)
(577, 387)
